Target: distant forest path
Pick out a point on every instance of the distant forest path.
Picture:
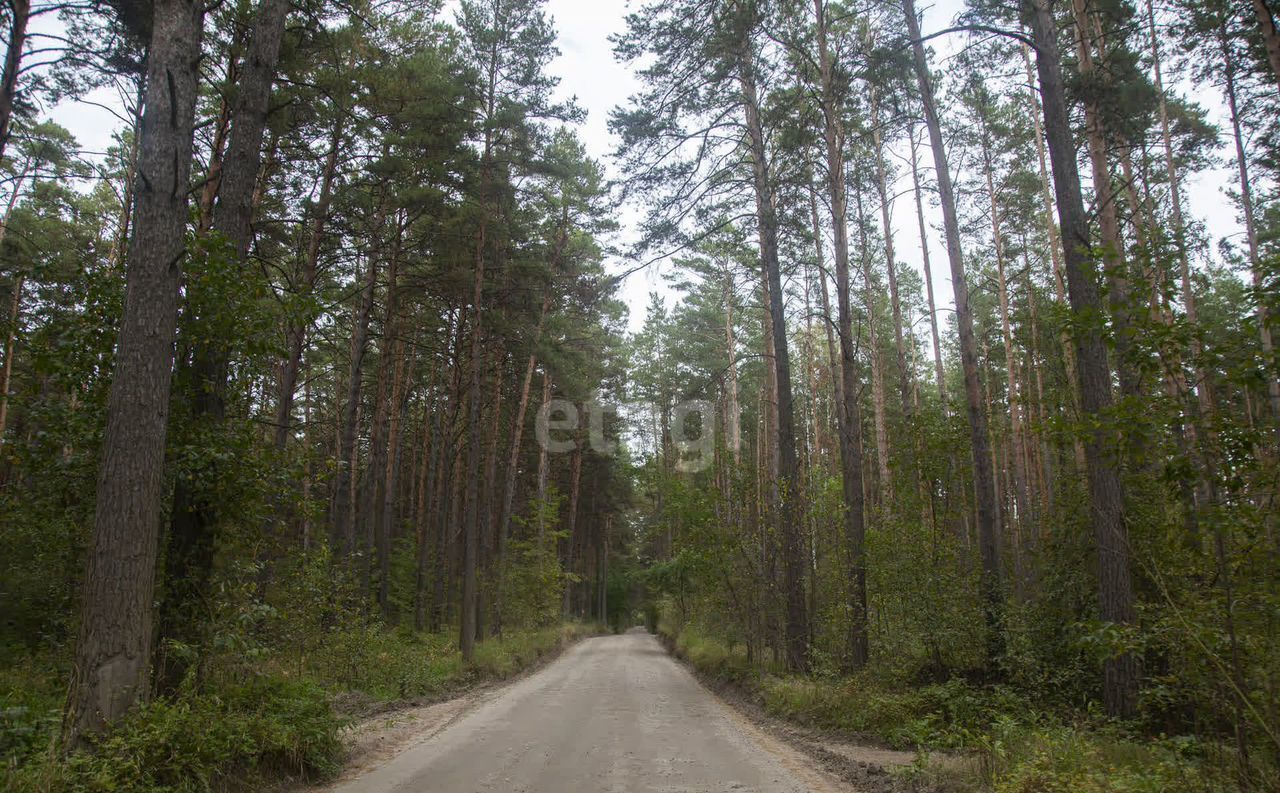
(614, 713)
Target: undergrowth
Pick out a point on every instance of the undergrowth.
(1013, 747)
(282, 719)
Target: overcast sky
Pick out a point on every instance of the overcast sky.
(586, 69)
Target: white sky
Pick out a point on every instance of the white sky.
(587, 70)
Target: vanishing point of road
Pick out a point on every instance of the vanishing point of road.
(612, 715)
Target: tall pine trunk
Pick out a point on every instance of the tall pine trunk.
(190, 554)
(343, 535)
(1115, 587)
(848, 418)
(19, 18)
(787, 514)
(983, 475)
(113, 651)
(928, 278)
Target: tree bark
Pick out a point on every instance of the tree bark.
(1251, 229)
(1270, 37)
(848, 417)
(797, 629)
(343, 537)
(113, 652)
(984, 483)
(939, 373)
(20, 16)
(1115, 588)
(233, 214)
(1113, 259)
(891, 264)
(879, 408)
(190, 554)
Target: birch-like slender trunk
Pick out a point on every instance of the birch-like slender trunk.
(984, 481)
(848, 416)
(938, 371)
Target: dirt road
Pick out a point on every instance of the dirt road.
(614, 714)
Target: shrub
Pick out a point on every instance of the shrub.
(193, 743)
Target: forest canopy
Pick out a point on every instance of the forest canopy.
(952, 426)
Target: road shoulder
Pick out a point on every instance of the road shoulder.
(865, 767)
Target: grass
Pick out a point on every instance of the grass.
(995, 739)
(281, 717)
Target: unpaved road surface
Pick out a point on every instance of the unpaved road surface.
(612, 715)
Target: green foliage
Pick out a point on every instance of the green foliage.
(1017, 748)
(533, 580)
(193, 743)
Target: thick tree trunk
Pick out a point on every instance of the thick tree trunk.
(190, 554)
(797, 621)
(1270, 36)
(1055, 245)
(113, 653)
(1115, 588)
(984, 483)
(1113, 259)
(19, 17)
(233, 214)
